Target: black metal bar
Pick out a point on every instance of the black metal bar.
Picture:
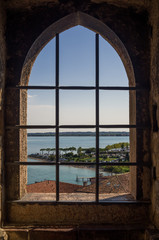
(103, 203)
(119, 126)
(118, 88)
(33, 126)
(57, 117)
(144, 164)
(97, 117)
(78, 163)
(76, 87)
(50, 163)
(123, 164)
(79, 87)
(115, 152)
(77, 126)
(31, 163)
(36, 87)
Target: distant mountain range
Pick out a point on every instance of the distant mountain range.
(67, 134)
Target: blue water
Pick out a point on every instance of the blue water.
(67, 173)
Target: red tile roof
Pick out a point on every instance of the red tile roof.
(111, 184)
(49, 186)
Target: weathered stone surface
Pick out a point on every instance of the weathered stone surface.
(60, 234)
(2, 83)
(3, 235)
(78, 233)
(151, 234)
(125, 3)
(17, 234)
(111, 235)
(57, 214)
(154, 17)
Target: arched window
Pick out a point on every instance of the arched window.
(78, 121)
(56, 103)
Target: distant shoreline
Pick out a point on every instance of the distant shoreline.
(80, 134)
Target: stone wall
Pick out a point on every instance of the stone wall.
(154, 105)
(132, 22)
(2, 81)
(23, 27)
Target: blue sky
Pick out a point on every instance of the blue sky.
(77, 67)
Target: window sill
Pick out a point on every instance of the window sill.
(77, 198)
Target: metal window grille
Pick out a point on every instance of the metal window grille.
(97, 126)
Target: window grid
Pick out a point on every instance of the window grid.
(57, 117)
(96, 126)
(97, 117)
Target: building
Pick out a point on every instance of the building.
(132, 29)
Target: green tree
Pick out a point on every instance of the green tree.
(79, 151)
(52, 157)
(122, 145)
(42, 150)
(72, 149)
(48, 149)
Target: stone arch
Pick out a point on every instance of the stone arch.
(67, 22)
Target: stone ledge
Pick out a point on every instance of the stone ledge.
(87, 232)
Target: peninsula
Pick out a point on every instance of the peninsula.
(71, 134)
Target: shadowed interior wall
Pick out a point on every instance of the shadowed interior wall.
(2, 83)
(155, 102)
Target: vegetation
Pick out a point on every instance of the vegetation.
(116, 169)
(121, 145)
(115, 153)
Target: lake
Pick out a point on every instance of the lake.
(67, 173)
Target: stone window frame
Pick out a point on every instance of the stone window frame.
(96, 26)
(17, 182)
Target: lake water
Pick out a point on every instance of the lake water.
(67, 173)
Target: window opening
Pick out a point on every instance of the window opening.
(112, 160)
